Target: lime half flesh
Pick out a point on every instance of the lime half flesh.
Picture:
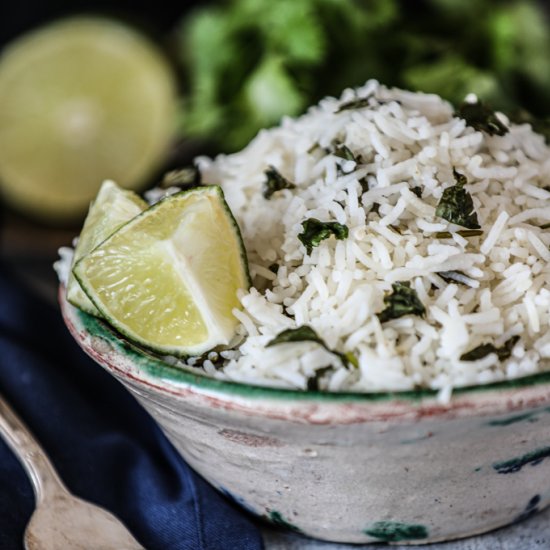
(112, 208)
(168, 279)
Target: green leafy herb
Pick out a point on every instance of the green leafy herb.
(246, 63)
(485, 349)
(462, 232)
(315, 231)
(343, 152)
(275, 182)
(402, 301)
(482, 118)
(185, 178)
(417, 191)
(456, 204)
(307, 334)
(359, 103)
(351, 359)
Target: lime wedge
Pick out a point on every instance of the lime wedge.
(168, 279)
(112, 208)
(81, 101)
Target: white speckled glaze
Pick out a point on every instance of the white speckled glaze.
(400, 468)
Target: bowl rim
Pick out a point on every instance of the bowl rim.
(154, 372)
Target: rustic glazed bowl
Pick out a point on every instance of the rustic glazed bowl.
(359, 468)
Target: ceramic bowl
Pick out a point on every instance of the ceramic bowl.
(400, 468)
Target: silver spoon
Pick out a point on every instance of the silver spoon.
(60, 521)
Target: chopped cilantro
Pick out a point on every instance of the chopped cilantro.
(307, 334)
(485, 349)
(402, 301)
(315, 231)
(461, 232)
(456, 204)
(456, 277)
(359, 103)
(482, 118)
(343, 152)
(275, 182)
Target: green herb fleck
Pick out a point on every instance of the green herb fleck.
(375, 209)
(364, 183)
(485, 349)
(402, 301)
(456, 204)
(351, 359)
(307, 334)
(275, 182)
(344, 152)
(452, 276)
(396, 229)
(313, 381)
(359, 103)
(315, 231)
(184, 178)
(482, 118)
(461, 232)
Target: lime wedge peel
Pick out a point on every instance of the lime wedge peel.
(112, 208)
(168, 279)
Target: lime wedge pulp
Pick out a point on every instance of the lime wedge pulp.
(81, 100)
(168, 279)
(112, 208)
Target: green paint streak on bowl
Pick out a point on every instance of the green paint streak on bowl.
(157, 368)
(395, 531)
(516, 464)
(528, 417)
(278, 519)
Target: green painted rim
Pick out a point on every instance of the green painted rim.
(156, 368)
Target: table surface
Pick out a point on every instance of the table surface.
(531, 534)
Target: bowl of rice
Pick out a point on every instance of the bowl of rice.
(391, 380)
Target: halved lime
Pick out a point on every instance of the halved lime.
(168, 279)
(112, 208)
(81, 101)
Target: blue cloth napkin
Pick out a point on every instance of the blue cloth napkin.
(104, 445)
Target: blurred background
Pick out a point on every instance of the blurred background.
(130, 89)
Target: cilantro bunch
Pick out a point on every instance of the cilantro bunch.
(249, 62)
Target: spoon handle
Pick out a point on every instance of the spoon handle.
(40, 470)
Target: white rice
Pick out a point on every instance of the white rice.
(405, 140)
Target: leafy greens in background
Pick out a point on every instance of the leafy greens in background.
(249, 62)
